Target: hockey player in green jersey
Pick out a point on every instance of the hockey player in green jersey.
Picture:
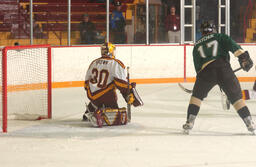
(211, 61)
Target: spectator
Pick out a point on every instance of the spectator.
(117, 25)
(172, 26)
(87, 31)
(16, 44)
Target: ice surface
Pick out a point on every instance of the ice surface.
(153, 139)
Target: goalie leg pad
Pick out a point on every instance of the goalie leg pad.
(115, 116)
(95, 118)
(109, 117)
(249, 94)
(245, 95)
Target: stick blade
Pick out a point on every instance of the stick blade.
(185, 89)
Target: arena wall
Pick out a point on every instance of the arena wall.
(148, 64)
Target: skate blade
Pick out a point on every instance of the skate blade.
(185, 131)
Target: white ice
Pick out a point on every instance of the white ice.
(153, 138)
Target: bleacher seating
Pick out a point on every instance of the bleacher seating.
(7, 9)
(46, 17)
(65, 1)
(57, 13)
(1, 17)
(64, 26)
(5, 27)
(78, 8)
(55, 1)
(51, 16)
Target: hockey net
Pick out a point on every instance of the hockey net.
(26, 83)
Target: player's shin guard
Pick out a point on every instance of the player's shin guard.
(191, 116)
(244, 113)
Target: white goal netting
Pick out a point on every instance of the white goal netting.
(27, 82)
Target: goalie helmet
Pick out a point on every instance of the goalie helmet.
(207, 27)
(108, 49)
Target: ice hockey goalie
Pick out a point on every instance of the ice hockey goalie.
(104, 76)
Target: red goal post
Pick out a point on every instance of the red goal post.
(26, 83)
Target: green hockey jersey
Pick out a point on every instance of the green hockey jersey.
(211, 47)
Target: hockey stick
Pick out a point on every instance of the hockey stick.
(190, 91)
(185, 89)
(128, 91)
(237, 69)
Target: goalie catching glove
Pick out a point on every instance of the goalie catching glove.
(133, 98)
(245, 61)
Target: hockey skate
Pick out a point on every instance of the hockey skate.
(250, 125)
(189, 124)
(187, 127)
(85, 118)
(86, 115)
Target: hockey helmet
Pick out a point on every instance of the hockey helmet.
(108, 49)
(207, 27)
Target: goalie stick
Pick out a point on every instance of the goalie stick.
(128, 91)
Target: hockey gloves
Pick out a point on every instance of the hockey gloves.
(130, 98)
(245, 61)
(134, 98)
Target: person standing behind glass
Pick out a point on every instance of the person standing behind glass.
(117, 25)
(87, 30)
(172, 26)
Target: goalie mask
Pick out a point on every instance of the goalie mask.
(108, 49)
(207, 27)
